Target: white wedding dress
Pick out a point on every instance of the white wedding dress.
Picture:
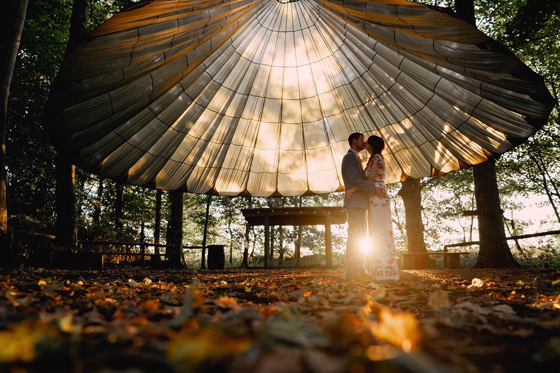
(382, 260)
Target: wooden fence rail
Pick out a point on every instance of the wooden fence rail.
(549, 233)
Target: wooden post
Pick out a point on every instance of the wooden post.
(266, 241)
(328, 241)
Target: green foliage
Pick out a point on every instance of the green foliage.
(29, 153)
(528, 28)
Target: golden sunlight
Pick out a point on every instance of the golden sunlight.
(365, 245)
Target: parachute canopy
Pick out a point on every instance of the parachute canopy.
(258, 97)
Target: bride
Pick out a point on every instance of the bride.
(381, 262)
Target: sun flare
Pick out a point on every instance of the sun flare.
(365, 245)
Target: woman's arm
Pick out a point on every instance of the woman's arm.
(348, 193)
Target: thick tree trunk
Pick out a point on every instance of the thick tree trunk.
(465, 11)
(10, 34)
(67, 216)
(175, 232)
(67, 222)
(494, 251)
(412, 199)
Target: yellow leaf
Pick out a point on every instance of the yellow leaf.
(18, 342)
(227, 303)
(188, 350)
(400, 329)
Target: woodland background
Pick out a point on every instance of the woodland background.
(114, 211)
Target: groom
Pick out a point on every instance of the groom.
(356, 206)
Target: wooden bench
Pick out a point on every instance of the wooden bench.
(451, 260)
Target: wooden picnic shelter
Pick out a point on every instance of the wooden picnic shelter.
(296, 216)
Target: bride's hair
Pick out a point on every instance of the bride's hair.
(377, 143)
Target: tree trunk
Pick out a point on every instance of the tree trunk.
(245, 263)
(205, 234)
(66, 218)
(10, 35)
(297, 244)
(119, 211)
(271, 253)
(157, 228)
(174, 253)
(465, 11)
(544, 173)
(494, 251)
(96, 216)
(67, 223)
(412, 199)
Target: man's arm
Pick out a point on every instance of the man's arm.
(354, 172)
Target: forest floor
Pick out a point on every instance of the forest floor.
(278, 320)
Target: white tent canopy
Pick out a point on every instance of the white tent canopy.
(241, 97)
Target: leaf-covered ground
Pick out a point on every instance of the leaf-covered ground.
(279, 320)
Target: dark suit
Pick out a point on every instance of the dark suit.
(356, 207)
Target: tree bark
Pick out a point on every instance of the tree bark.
(412, 199)
(245, 263)
(96, 216)
(465, 11)
(10, 35)
(494, 251)
(119, 211)
(544, 173)
(67, 213)
(157, 228)
(205, 234)
(174, 252)
(65, 180)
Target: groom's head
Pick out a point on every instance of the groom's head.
(356, 140)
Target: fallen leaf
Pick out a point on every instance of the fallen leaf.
(476, 283)
(504, 308)
(439, 299)
(227, 303)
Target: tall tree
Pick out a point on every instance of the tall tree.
(174, 253)
(10, 34)
(494, 250)
(119, 211)
(410, 192)
(157, 227)
(205, 234)
(245, 262)
(66, 208)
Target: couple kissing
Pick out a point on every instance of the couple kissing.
(369, 213)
